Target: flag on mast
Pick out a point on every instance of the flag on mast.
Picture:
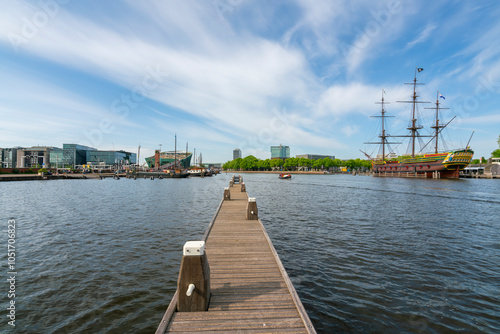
(420, 69)
(441, 96)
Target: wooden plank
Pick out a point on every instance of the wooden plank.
(236, 314)
(251, 292)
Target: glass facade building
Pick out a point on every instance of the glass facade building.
(112, 158)
(74, 154)
(237, 154)
(8, 157)
(56, 157)
(280, 152)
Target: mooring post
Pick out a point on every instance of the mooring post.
(241, 179)
(252, 213)
(227, 194)
(193, 285)
(243, 189)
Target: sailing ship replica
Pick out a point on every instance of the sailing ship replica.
(446, 164)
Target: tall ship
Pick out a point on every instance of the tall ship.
(436, 164)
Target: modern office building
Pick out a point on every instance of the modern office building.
(71, 155)
(8, 157)
(315, 156)
(74, 154)
(237, 153)
(56, 157)
(280, 152)
(111, 158)
(33, 157)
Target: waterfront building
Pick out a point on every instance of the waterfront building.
(74, 154)
(280, 152)
(237, 154)
(217, 165)
(33, 157)
(8, 157)
(315, 156)
(56, 157)
(112, 158)
(167, 159)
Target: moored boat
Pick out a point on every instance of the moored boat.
(445, 164)
(441, 165)
(285, 176)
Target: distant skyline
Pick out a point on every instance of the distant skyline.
(223, 74)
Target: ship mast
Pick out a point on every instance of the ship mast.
(437, 128)
(175, 152)
(383, 136)
(414, 126)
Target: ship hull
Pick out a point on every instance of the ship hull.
(427, 170)
(443, 166)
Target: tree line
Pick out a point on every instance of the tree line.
(292, 164)
(494, 154)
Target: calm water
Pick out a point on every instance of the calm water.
(369, 255)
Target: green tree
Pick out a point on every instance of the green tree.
(291, 163)
(235, 164)
(264, 164)
(249, 163)
(328, 163)
(303, 162)
(276, 163)
(496, 153)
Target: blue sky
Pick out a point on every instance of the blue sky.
(238, 73)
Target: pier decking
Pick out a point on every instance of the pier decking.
(250, 289)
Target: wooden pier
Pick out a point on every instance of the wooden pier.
(250, 289)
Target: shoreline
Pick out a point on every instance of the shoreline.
(36, 177)
(282, 172)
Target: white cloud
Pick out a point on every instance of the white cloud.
(214, 81)
(350, 130)
(422, 37)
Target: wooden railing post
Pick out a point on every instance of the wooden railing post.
(193, 285)
(243, 188)
(227, 194)
(252, 213)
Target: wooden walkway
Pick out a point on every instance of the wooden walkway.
(251, 291)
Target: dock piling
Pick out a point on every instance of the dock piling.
(243, 189)
(252, 212)
(193, 284)
(227, 194)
